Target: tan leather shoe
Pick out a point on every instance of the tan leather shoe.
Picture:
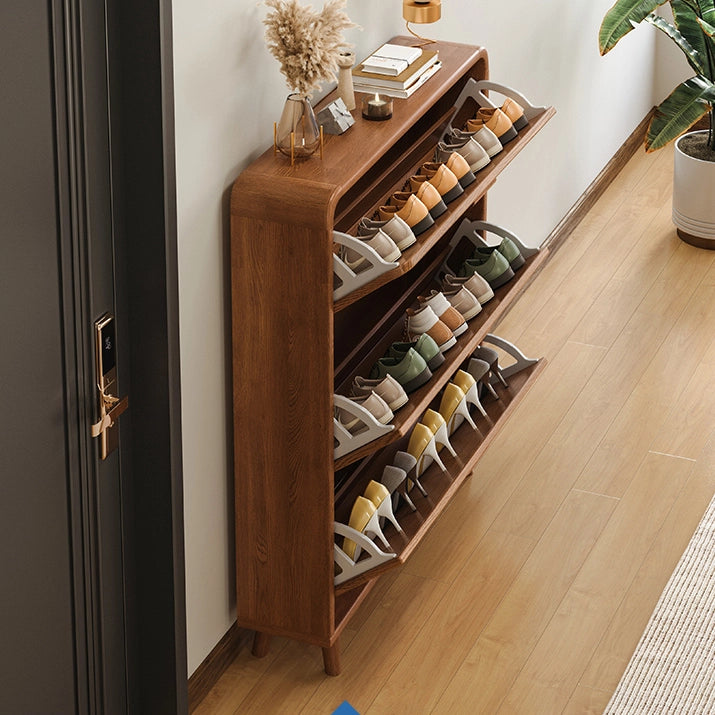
(427, 194)
(515, 112)
(442, 178)
(423, 320)
(494, 119)
(413, 212)
(445, 311)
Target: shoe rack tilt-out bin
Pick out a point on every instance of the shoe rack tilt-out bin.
(294, 347)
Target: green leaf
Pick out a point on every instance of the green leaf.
(694, 58)
(686, 20)
(708, 29)
(619, 20)
(707, 10)
(678, 112)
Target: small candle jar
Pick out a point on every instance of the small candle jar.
(377, 108)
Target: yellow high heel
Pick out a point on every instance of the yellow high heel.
(379, 495)
(422, 447)
(453, 407)
(466, 382)
(363, 518)
(437, 424)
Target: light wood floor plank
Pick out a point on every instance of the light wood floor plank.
(554, 668)
(508, 639)
(418, 680)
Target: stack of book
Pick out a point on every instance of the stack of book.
(395, 70)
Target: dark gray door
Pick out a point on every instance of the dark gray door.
(62, 617)
(92, 613)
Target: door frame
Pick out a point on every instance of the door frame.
(140, 85)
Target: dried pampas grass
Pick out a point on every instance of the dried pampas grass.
(305, 42)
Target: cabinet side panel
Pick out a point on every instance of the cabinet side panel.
(283, 446)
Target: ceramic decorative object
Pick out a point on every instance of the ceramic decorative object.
(346, 61)
(297, 132)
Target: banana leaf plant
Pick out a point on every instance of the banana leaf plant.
(693, 31)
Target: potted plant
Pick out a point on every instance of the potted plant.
(693, 31)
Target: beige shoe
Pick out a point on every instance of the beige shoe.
(395, 228)
(387, 388)
(379, 242)
(424, 320)
(442, 178)
(496, 120)
(444, 310)
(464, 301)
(475, 284)
(373, 403)
(413, 212)
(427, 194)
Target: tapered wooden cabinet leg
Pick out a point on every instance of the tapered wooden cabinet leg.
(331, 659)
(261, 644)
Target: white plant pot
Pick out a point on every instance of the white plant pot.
(694, 198)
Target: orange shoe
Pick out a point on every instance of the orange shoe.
(427, 194)
(413, 212)
(515, 112)
(441, 178)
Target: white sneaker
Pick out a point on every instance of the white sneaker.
(444, 310)
(475, 284)
(379, 241)
(464, 301)
(470, 149)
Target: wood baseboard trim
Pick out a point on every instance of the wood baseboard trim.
(216, 662)
(596, 188)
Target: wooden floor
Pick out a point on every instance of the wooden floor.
(531, 592)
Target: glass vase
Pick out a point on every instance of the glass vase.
(297, 119)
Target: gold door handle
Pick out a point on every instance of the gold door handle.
(117, 407)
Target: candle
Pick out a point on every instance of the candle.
(377, 108)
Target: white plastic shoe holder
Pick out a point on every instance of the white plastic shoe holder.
(475, 89)
(349, 568)
(521, 362)
(350, 281)
(372, 429)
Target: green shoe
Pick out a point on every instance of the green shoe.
(511, 252)
(410, 370)
(490, 264)
(424, 346)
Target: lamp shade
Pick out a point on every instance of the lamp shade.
(422, 12)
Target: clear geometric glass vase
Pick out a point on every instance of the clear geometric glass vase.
(297, 118)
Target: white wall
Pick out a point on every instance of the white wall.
(228, 93)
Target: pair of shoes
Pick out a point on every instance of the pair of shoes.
(394, 477)
(505, 122)
(491, 357)
(387, 388)
(477, 285)
(373, 403)
(436, 317)
(365, 517)
(410, 364)
(496, 264)
(473, 153)
(379, 241)
(483, 136)
(441, 177)
(395, 227)
(410, 209)
(456, 398)
(422, 445)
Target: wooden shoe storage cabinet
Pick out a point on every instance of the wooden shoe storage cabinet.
(294, 347)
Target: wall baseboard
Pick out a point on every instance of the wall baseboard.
(213, 666)
(596, 188)
(215, 663)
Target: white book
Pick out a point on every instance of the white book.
(391, 59)
(399, 93)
